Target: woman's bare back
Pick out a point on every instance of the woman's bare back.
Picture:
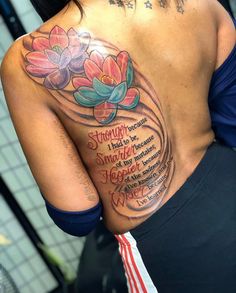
(126, 92)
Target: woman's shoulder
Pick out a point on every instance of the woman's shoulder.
(14, 74)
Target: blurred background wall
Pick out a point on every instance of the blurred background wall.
(233, 5)
(20, 257)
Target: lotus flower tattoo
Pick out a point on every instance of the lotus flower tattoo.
(55, 58)
(107, 85)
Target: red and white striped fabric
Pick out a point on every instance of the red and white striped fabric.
(137, 275)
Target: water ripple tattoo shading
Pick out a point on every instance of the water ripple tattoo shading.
(100, 88)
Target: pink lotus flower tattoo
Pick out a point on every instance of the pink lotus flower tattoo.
(106, 86)
(55, 58)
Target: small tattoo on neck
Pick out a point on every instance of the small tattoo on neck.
(125, 3)
(130, 4)
(148, 4)
(162, 3)
(179, 4)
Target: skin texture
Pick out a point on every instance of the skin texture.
(117, 112)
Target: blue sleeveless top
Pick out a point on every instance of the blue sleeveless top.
(222, 100)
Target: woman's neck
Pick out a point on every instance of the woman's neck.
(135, 4)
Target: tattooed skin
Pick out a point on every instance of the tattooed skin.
(100, 88)
(148, 4)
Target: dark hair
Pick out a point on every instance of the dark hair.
(48, 8)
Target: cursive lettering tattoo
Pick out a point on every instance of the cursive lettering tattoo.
(100, 87)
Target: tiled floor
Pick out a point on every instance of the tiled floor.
(20, 258)
(17, 257)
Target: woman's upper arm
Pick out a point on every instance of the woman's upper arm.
(49, 150)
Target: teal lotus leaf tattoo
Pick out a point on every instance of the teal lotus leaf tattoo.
(119, 93)
(88, 97)
(101, 88)
(130, 73)
(107, 85)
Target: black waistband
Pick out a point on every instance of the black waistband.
(187, 191)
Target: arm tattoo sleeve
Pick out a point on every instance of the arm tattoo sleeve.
(100, 87)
